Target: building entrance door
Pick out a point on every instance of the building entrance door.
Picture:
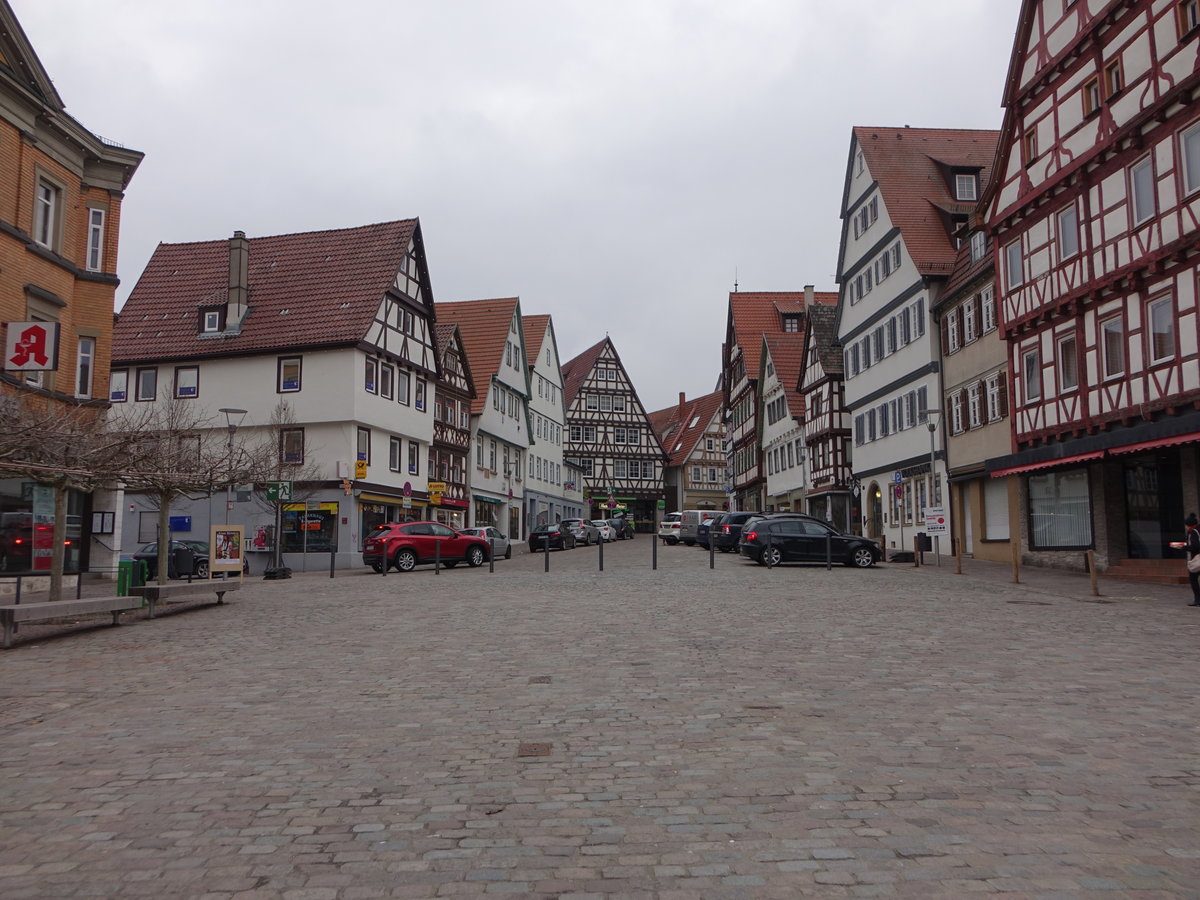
(1153, 504)
(875, 513)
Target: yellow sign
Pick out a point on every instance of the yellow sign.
(435, 498)
(437, 487)
(360, 468)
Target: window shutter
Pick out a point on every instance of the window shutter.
(945, 336)
(977, 302)
(1003, 394)
(959, 327)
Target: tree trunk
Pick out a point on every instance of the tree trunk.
(58, 556)
(164, 537)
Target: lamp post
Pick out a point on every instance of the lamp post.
(233, 427)
(931, 417)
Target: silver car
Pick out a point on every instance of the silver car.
(501, 546)
(585, 532)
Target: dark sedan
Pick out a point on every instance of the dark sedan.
(149, 554)
(556, 537)
(771, 541)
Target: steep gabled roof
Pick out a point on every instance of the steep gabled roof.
(753, 314)
(484, 326)
(445, 334)
(787, 352)
(536, 328)
(822, 334)
(679, 436)
(319, 288)
(912, 168)
(575, 371)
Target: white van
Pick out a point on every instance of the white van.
(690, 521)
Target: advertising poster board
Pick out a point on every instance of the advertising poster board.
(227, 546)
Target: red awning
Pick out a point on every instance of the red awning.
(1161, 442)
(1048, 464)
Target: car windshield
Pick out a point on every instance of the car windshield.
(599, 523)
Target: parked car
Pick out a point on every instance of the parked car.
(501, 545)
(552, 536)
(668, 528)
(690, 523)
(149, 553)
(702, 533)
(582, 530)
(623, 527)
(726, 530)
(607, 532)
(407, 545)
(794, 538)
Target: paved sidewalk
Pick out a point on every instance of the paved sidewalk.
(680, 733)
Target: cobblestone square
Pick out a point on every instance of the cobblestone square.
(679, 733)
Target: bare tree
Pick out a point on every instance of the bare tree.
(64, 446)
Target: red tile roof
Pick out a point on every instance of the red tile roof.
(535, 328)
(444, 333)
(319, 288)
(912, 168)
(576, 371)
(752, 315)
(787, 352)
(966, 271)
(678, 430)
(484, 326)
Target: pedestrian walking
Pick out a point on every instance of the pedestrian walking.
(1192, 545)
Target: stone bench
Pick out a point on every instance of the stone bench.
(176, 592)
(12, 613)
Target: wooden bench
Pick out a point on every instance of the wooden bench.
(12, 613)
(174, 593)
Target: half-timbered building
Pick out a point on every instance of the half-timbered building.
(907, 191)
(752, 315)
(548, 498)
(610, 438)
(61, 191)
(451, 445)
(1096, 216)
(334, 326)
(832, 494)
(781, 420)
(693, 435)
(975, 398)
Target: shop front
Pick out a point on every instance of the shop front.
(379, 509)
(27, 527)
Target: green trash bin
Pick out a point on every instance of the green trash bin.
(141, 571)
(124, 574)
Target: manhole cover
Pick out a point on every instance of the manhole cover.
(539, 679)
(533, 750)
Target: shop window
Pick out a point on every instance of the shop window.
(1060, 510)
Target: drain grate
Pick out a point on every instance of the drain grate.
(533, 750)
(539, 679)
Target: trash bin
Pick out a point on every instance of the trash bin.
(924, 542)
(139, 573)
(182, 563)
(124, 576)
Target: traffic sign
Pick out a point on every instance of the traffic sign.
(899, 492)
(279, 491)
(408, 489)
(897, 477)
(935, 520)
(662, 504)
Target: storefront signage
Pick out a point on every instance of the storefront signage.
(31, 347)
(360, 468)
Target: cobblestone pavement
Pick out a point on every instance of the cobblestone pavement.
(678, 733)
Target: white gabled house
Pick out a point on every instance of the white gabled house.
(339, 326)
(547, 497)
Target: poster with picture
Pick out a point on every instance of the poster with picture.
(227, 548)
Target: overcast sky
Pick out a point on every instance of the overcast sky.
(613, 164)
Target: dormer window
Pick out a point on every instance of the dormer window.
(978, 245)
(791, 323)
(966, 187)
(210, 321)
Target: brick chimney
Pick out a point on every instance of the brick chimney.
(239, 281)
(682, 397)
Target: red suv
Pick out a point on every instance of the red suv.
(409, 544)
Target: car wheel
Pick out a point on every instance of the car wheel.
(378, 567)
(689, 543)
(863, 558)
(405, 561)
(475, 557)
(770, 557)
(202, 568)
(672, 541)
(508, 552)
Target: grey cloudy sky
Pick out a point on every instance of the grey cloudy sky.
(611, 163)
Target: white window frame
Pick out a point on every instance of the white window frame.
(47, 212)
(151, 394)
(993, 397)
(85, 367)
(965, 187)
(970, 326)
(975, 405)
(956, 420)
(1063, 355)
(987, 302)
(95, 240)
(1143, 200)
(212, 321)
(1066, 222)
(1189, 153)
(952, 345)
(978, 245)
(1164, 306)
(118, 383)
(1014, 264)
(1031, 373)
(1110, 361)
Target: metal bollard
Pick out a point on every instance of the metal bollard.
(546, 548)
(828, 551)
(767, 552)
(712, 552)
(601, 554)
(492, 560)
(654, 553)
(437, 558)
(332, 561)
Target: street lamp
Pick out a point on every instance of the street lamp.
(233, 427)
